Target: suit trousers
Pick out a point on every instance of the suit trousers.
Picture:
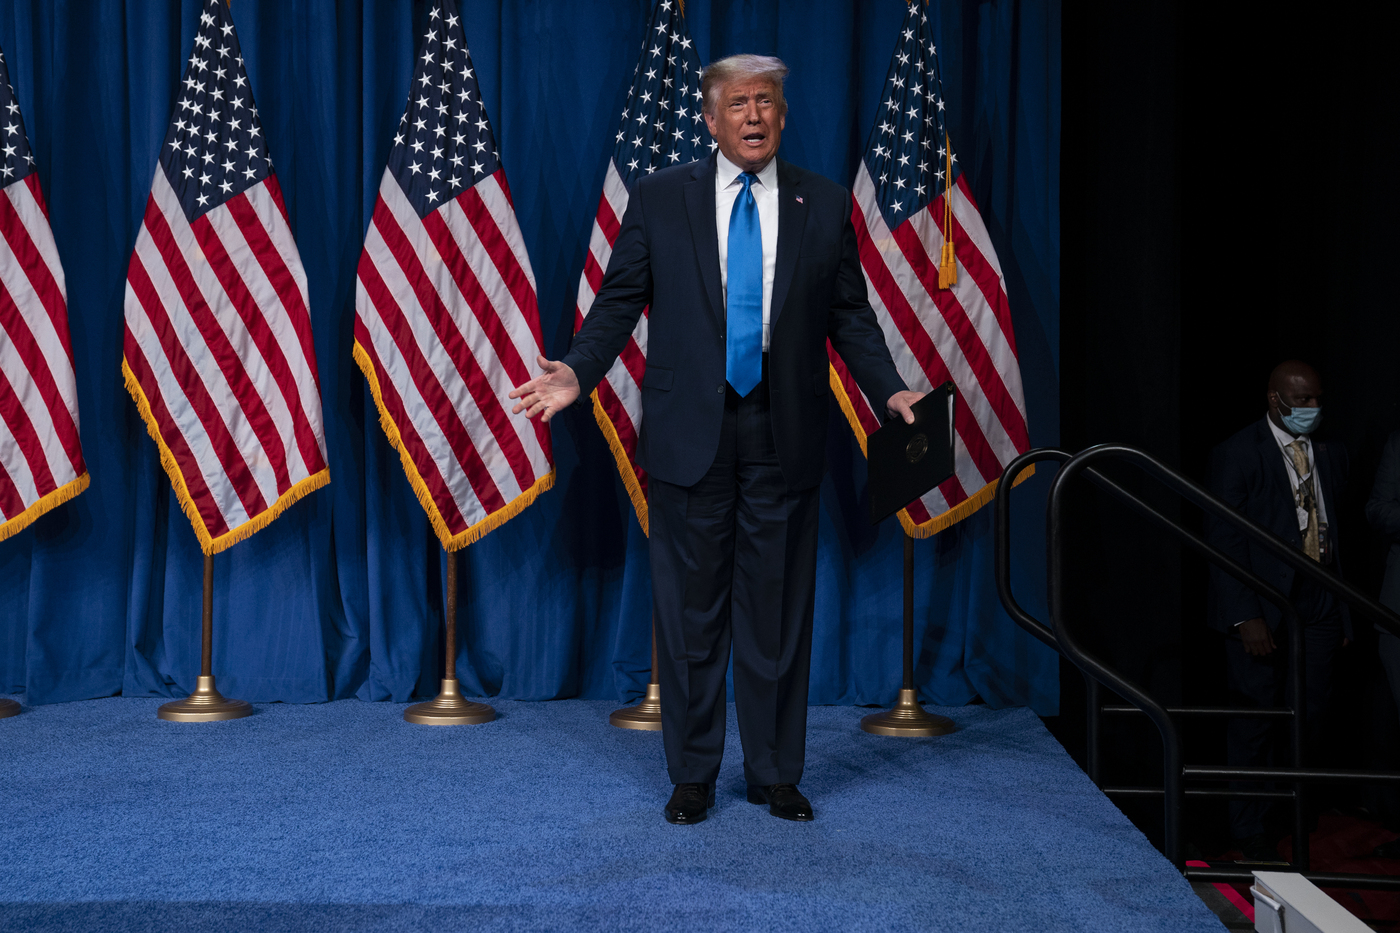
(1388, 647)
(1263, 683)
(733, 561)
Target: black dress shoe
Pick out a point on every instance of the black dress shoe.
(784, 801)
(690, 803)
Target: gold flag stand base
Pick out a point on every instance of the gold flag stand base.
(646, 715)
(206, 704)
(8, 708)
(449, 709)
(908, 718)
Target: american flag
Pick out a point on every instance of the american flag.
(661, 125)
(218, 352)
(908, 191)
(41, 459)
(447, 321)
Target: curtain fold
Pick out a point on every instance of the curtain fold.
(342, 596)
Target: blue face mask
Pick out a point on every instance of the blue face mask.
(1303, 420)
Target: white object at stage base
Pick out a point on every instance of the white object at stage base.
(1285, 902)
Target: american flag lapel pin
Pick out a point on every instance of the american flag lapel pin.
(799, 199)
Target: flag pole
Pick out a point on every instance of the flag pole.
(646, 715)
(907, 717)
(450, 708)
(206, 704)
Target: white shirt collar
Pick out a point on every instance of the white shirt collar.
(726, 172)
(1284, 438)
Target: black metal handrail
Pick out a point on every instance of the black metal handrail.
(1209, 711)
(1046, 633)
(1097, 673)
(1002, 541)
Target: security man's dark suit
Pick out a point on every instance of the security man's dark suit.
(733, 482)
(1383, 512)
(1249, 473)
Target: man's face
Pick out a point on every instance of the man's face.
(1299, 390)
(746, 122)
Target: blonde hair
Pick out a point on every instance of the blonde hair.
(741, 68)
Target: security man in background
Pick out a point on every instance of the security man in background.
(1276, 473)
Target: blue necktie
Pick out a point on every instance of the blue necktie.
(743, 359)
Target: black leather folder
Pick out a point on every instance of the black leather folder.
(907, 460)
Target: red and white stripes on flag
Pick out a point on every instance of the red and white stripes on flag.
(937, 331)
(447, 320)
(617, 401)
(962, 334)
(218, 353)
(661, 125)
(41, 459)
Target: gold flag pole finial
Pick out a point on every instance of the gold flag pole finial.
(948, 262)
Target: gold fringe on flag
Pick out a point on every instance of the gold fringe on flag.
(624, 464)
(56, 498)
(473, 533)
(948, 262)
(207, 543)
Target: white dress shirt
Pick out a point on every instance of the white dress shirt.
(765, 195)
(1284, 439)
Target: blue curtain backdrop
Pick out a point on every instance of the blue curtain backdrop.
(341, 597)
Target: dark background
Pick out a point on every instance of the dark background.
(1227, 195)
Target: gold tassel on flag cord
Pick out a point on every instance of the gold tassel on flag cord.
(948, 263)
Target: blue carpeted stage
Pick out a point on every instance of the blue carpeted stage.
(343, 817)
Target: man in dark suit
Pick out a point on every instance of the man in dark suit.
(748, 265)
(1383, 512)
(1277, 474)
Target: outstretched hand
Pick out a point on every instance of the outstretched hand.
(548, 393)
(902, 404)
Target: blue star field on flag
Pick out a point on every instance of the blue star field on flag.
(16, 161)
(905, 154)
(444, 143)
(215, 148)
(662, 123)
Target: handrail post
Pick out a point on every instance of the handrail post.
(1093, 707)
(1172, 796)
(1297, 671)
(1002, 543)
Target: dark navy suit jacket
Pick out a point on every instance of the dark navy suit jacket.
(667, 257)
(1383, 512)
(1248, 472)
